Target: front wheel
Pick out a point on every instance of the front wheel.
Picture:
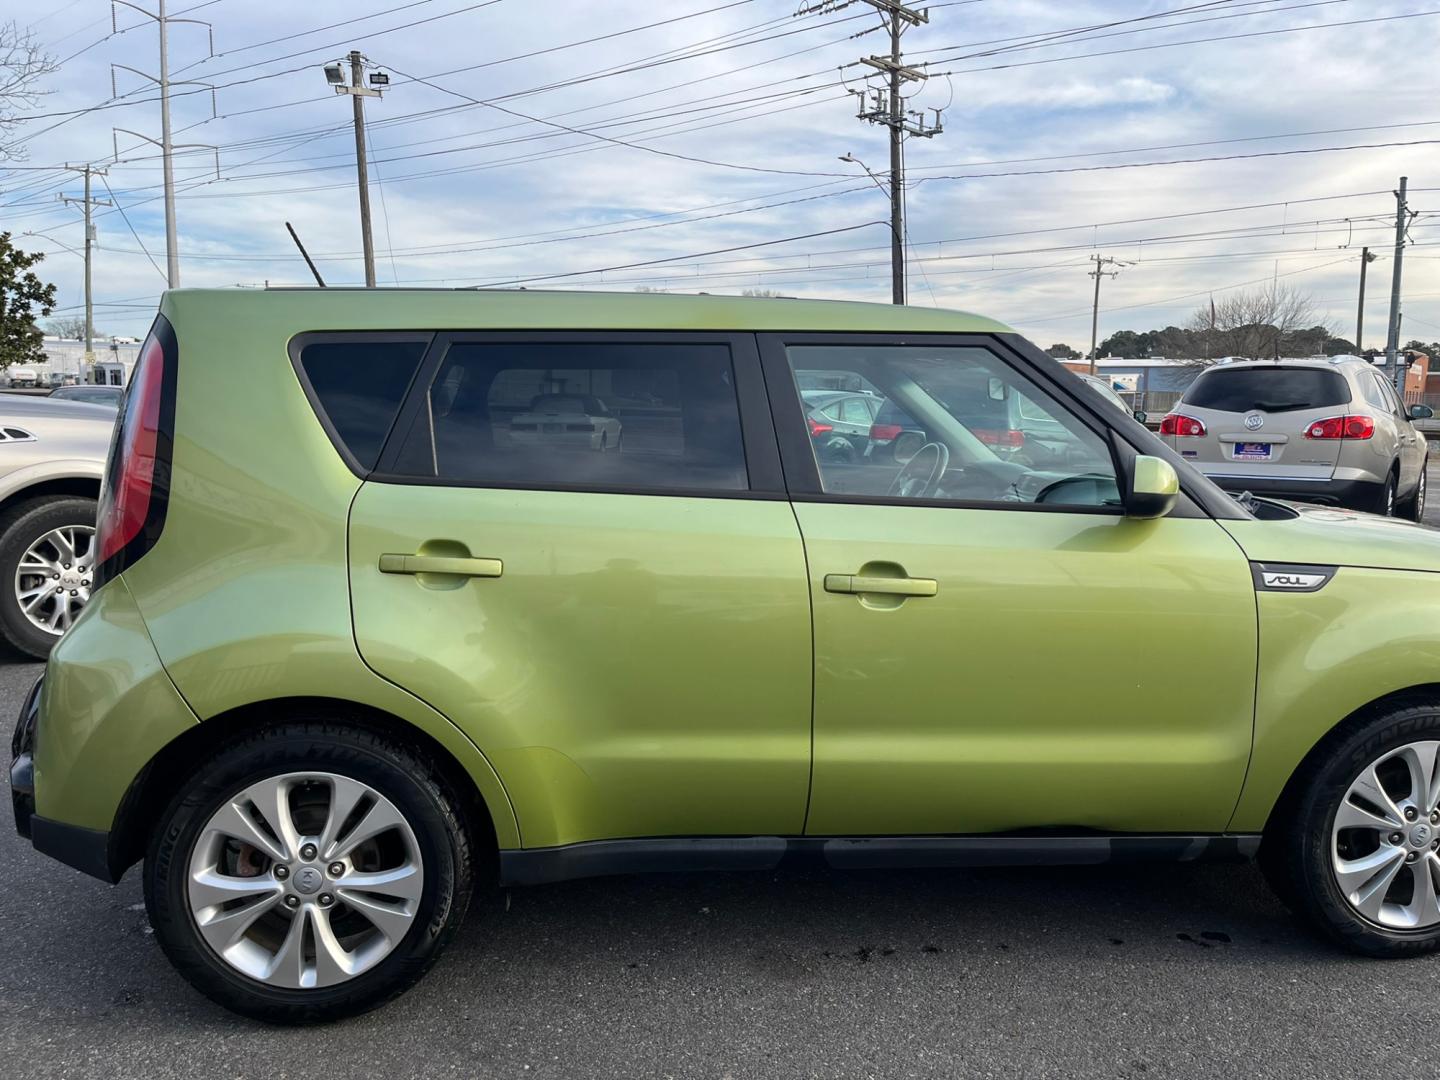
(308, 872)
(1356, 851)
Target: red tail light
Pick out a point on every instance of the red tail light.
(817, 428)
(1341, 427)
(1179, 424)
(885, 432)
(132, 504)
(1005, 437)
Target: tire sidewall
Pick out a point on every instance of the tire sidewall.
(32, 521)
(442, 902)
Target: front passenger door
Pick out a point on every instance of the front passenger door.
(997, 647)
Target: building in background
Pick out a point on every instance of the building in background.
(114, 360)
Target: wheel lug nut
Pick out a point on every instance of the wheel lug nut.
(336, 869)
(292, 901)
(326, 899)
(282, 872)
(55, 576)
(308, 851)
(1411, 857)
(1395, 838)
(1410, 813)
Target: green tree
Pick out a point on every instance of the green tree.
(21, 294)
(1061, 351)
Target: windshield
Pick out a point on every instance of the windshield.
(1268, 389)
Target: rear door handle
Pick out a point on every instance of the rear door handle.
(440, 564)
(885, 586)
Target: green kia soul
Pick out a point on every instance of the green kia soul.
(410, 592)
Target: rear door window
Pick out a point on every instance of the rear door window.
(357, 384)
(1268, 389)
(606, 416)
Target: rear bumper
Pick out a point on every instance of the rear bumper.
(1356, 494)
(87, 850)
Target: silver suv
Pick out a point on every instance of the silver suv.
(1326, 431)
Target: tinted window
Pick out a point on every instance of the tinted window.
(1268, 389)
(985, 433)
(1372, 388)
(359, 386)
(608, 416)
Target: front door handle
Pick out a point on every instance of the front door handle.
(440, 564)
(884, 586)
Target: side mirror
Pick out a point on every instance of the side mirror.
(997, 389)
(1152, 487)
(1141, 415)
(1420, 412)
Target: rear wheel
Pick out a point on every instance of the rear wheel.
(47, 565)
(1385, 501)
(308, 872)
(1413, 508)
(1357, 852)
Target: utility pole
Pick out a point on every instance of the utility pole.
(1366, 258)
(358, 92)
(1392, 340)
(86, 203)
(887, 107)
(162, 81)
(1099, 272)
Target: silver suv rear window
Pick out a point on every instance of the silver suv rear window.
(1268, 389)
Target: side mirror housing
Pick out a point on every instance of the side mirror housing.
(1420, 412)
(1141, 415)
(1151, 488)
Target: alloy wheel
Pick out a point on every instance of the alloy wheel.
(1385, 839)
(53, 579)
(305, 880)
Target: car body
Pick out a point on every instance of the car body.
(356, 649)
(108, 396)
(840, 422)
(24, 377)
(1331, 431)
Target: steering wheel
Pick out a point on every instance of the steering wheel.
(920, 476)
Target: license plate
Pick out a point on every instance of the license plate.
(550, 428)
(1252, 451)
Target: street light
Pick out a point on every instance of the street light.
(379, 78)
(334, 75)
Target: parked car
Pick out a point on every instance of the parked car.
(52, 454)
(839, 422)
(355, 651)
(566, 422)
(1325, 431)
(91, 395)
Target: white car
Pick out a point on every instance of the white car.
(566, 421)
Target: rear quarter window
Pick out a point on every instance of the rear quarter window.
(1268, 389)
(357, 386)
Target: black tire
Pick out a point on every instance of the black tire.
(1385, 503)
(402, 775)
(1295, 855)
(1413, 508)
(20, 527)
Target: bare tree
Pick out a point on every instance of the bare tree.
(70, 328)
(23, 63)
(1253, 323)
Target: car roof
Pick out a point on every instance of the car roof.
(302, 309)
(1328, 363)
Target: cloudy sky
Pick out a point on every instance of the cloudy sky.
(701, 139)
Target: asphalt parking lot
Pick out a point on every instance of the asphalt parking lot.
(1174, 971)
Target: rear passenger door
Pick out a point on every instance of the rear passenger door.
(577, 547)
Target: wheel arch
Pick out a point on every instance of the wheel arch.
(1419, 694)
(153, 787)
(85, 487)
